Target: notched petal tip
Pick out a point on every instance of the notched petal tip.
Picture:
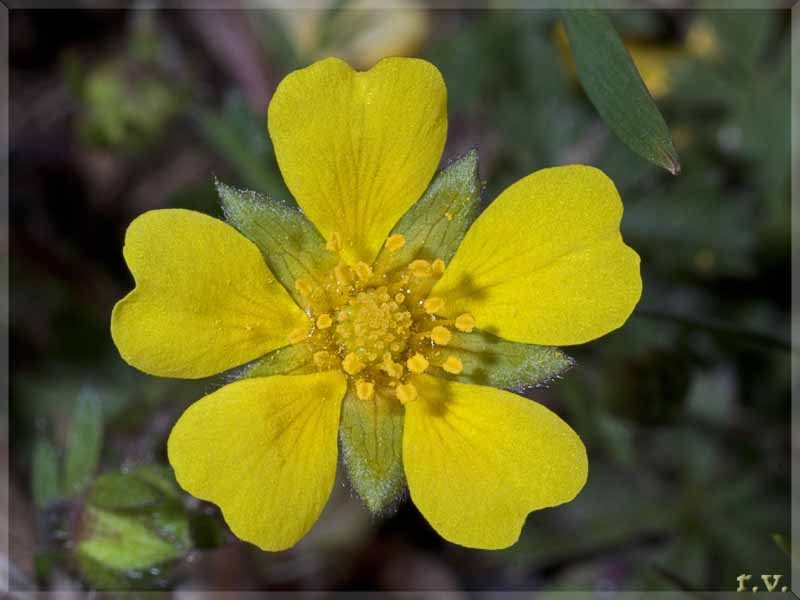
(479, 460)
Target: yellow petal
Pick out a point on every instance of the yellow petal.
(265, 451)
(545, 262)
(204, 301)
(357, 149)
(479, 459)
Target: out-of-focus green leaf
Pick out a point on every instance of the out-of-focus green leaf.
(121, 491)
(160, 477)
(123, 542)
(45, 473)
(84, 443)
(743, 34)
(489, 360)
(371, 433)
(616, 89)
(239, 136)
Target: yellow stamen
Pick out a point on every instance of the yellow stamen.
(417, 363)
(334, 243)
(420, 268)
(465, 322)
(363, 271)
(406, 393)
(453, 365)
(298, 335)
(391, 368)
(343, 274)
(438, 267)
(365, 389)
(433, 304)
(395, 242)
(352, 364)
(399, 297)
(324, 321)
(304, 286)
(441, 335)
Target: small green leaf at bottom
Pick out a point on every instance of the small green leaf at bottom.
(84, 443)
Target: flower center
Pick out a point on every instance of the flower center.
(380, 328)
(373, 323)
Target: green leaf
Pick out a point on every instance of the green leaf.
(160, 477)
(45, 474)
(489, 360)
(84, 443)
(123, 491)
(436, 224)
(290, 244)
(289, 360)
(123, 542)
(371, 433)
(616, 89)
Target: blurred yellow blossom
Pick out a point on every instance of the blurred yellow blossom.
(359, 32)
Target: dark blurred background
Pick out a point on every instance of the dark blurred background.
(685, 411)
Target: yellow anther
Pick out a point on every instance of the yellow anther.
(453, 365)
(298, 335)
(304, 286)
(363, 271)
(324, 321)
(391, 368)
(365, 389)
(448, 216)
(352, 364)
(395, 242)
(399, 297)
(420, 268)
(406, 393)
(465, 322)
(441, 335)
(343, 274)
(417, 363)
(334, 244)
(438, 267)
(433, 304)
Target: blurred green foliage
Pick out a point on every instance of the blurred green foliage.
(684, 411)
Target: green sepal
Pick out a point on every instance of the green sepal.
(492, 361)
(45, 473)
(290, 244)
(371, 434)
(436, 224)
(84, 443)
(296, 359)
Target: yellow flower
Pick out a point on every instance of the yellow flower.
(364, 321)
